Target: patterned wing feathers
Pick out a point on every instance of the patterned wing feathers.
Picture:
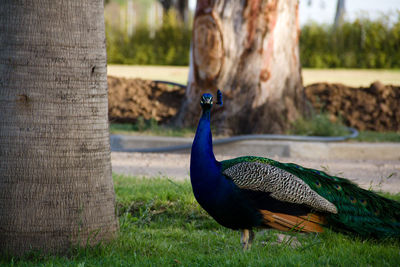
(282, 185)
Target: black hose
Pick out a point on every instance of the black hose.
(171, 83)
(353, 134)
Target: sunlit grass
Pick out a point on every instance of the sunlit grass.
(318, 125)
(350, 77)
(371, 136)
(161, 224)
(166, 73)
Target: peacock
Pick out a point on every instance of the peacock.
(249, 192)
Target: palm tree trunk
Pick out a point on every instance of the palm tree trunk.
(249, 50)
(56, 187)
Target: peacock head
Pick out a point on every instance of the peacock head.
(206, 101)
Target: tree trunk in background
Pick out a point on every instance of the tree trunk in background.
(181, 6)
(249, 50)
(56, 188)
(340, 11)
(183, 10)
(166, 4)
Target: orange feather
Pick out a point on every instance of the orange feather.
(311, 223)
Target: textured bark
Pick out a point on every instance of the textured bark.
(183, 10)
(249, 50)
(56, 187)
(340, 12)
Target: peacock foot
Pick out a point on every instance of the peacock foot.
(247, 238)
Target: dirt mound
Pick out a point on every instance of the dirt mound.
(129, 99)
(374, 108)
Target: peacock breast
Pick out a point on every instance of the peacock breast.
(225, 202)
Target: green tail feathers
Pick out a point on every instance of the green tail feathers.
(360, 211)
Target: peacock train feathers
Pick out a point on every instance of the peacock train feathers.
(248, 192)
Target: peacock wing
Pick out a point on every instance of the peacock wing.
(281, 185)
(358, 210)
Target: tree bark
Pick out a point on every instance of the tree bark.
(56, 188)
(340, 12)
(181, 6)
(183, 10)
(249, 50)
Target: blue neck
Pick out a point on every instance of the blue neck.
(204, 168)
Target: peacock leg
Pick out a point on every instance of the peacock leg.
(247, 238)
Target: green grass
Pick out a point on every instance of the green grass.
(320, 125)
(161, 224)
(370, 136)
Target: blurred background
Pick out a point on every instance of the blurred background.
(362, 34)
(343, 45)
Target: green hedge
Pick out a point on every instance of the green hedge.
(169, 45)
(360, 44)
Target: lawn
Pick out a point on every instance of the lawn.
(161, 224)
(350, 77)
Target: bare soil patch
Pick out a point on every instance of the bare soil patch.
(376, 107)
(129, 99)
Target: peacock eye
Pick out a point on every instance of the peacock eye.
(338, 187)
(318, 184)
(353, 199)
(363, 202)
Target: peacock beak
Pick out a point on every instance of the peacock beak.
(206, 100)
